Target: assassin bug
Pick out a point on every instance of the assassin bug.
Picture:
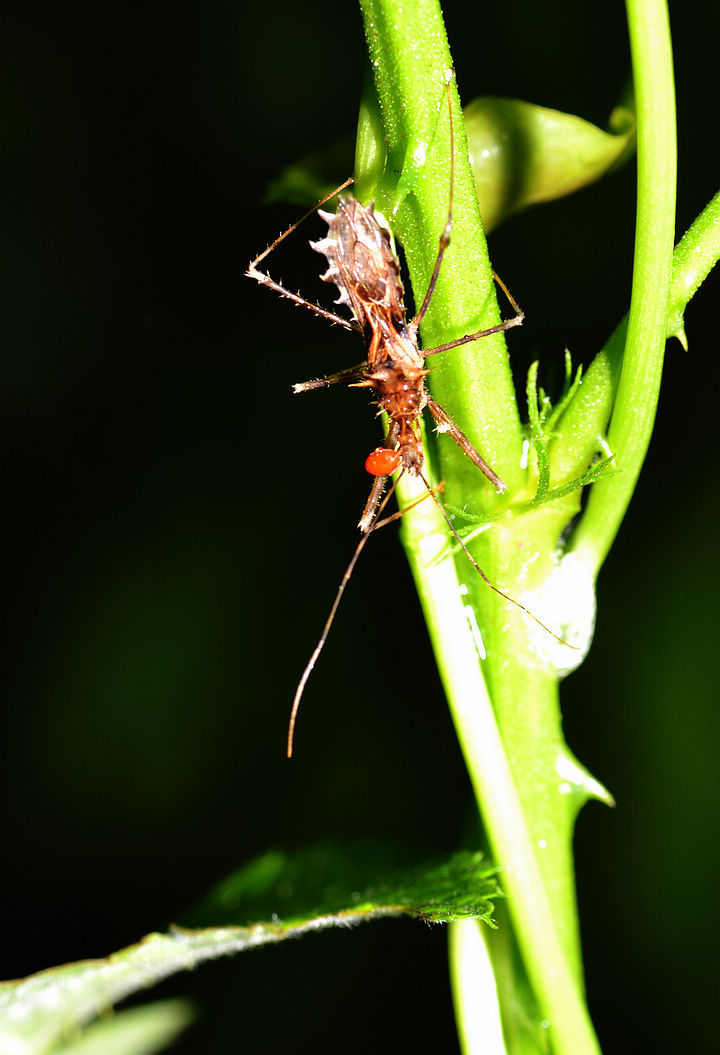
(364, 266)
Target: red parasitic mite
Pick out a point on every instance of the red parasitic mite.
(382, 461)
(363, 264)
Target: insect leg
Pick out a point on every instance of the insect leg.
(482, 574)
(371, 509)
(513, 303)
(446, 424)
(444, 243)
(265, 280)
(293, 226)
(507, 324)
(328, 624)
(406, 509)
(365, 522)
(349, 374)
(444, 240)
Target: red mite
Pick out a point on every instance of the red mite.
(363, 264)
(382, 462)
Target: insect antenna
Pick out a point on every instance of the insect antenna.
(333, 612)
(281, 237)
(445, 234)
(482, 574)
(264, 278)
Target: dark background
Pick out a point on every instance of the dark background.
(175, 525)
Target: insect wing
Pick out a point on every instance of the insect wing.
(363, 263)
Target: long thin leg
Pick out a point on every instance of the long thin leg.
(511, 300)
(484, 577)
(406, 509)
(507, 324)
(444, 243)
(328, 624)
(265, 280)
(281, 237)
(365, 522)
(500, 328)
(370, 511)
(321, 644)
(375, 525)
(446, 424)
(331, 379)
(445, 234)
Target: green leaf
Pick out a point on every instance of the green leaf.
(271, 899)
(534, 402)
(137, 1031)
(522, 154)
(356, 882)
(313, 175)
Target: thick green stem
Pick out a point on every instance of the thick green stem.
(410, 61)
(474, 990)
(528, 789)
(552, 972)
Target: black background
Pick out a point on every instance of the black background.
(175, 525)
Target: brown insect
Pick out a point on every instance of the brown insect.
(364, 266)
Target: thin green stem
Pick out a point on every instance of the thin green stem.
(639, 385)
(695, 255)
(474, 991)
(576, 441)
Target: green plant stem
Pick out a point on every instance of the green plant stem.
(693, 259)
(554, 977)
(474, 990)
(509, 727)
(639, 384)
(410, 59)
(695, 255)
